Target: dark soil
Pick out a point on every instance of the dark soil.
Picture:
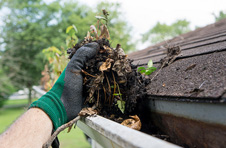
(110, 79)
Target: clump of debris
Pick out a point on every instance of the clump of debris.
(113, 84)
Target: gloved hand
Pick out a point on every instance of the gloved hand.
(64, 101)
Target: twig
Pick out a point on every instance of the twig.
(114, 85)
(59, 129)
(98, 98)
(157, 72)
(172, 54)
(104, 94)
(86, 73)
(109, 88)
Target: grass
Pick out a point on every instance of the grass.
(8, 115)
(17, 102)
(74, 139)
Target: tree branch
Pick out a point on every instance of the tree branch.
(59, 129)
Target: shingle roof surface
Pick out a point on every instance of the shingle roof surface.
(200, 69)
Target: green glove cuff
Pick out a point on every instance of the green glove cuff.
(52, 105)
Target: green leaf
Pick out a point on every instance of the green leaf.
(117, 94)
(68, 29)
(152, 69)
(68, 39)
(150, 63)
(141, 69)
(121, 105)
(147, 72)
(75, 28)
(51, 49)
(71, 30)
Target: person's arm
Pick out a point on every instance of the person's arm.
(58, 106)
(32, 129)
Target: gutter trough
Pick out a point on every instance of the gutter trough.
(189, 123)
(109, 134)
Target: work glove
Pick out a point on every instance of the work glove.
(64, 101)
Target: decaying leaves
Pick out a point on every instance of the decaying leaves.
(96, 83)
(106, 65)
(88, 37)
(122, 67)
(111, 81)
(133, 123)
(87, 112)
(94, 30)
(104, 32)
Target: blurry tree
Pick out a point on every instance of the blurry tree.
(221, 15)
(6, 87)
(162, 31)
(33, 25)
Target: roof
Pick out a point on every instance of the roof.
(199, 71)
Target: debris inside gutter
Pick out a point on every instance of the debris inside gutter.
(112, 84)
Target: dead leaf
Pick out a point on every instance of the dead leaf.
(87, 112)
(133, 123)
(94, 30)
(106, 65)
(97, 82)
(121, 52)
(122, 67)
(109, 50)
(119, 119)
(104, 32)
(88, 37)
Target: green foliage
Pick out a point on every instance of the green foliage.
(121, 105)
(6, 88)
(72, 39)
(147, 71)
(162, 31)
(33, 25)
(221, 15)
(150, 63)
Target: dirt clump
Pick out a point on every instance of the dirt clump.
(114, 86)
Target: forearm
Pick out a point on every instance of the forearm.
(32, 129)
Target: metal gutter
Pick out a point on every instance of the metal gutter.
(110, 134)
(188, 123)
(206, 112)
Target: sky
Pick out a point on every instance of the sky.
(142, 15)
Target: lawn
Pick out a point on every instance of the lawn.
(17, 102)
(74, 139)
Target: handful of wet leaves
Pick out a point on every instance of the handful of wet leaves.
(111, 82)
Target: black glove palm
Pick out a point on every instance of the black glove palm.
(64, 101)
